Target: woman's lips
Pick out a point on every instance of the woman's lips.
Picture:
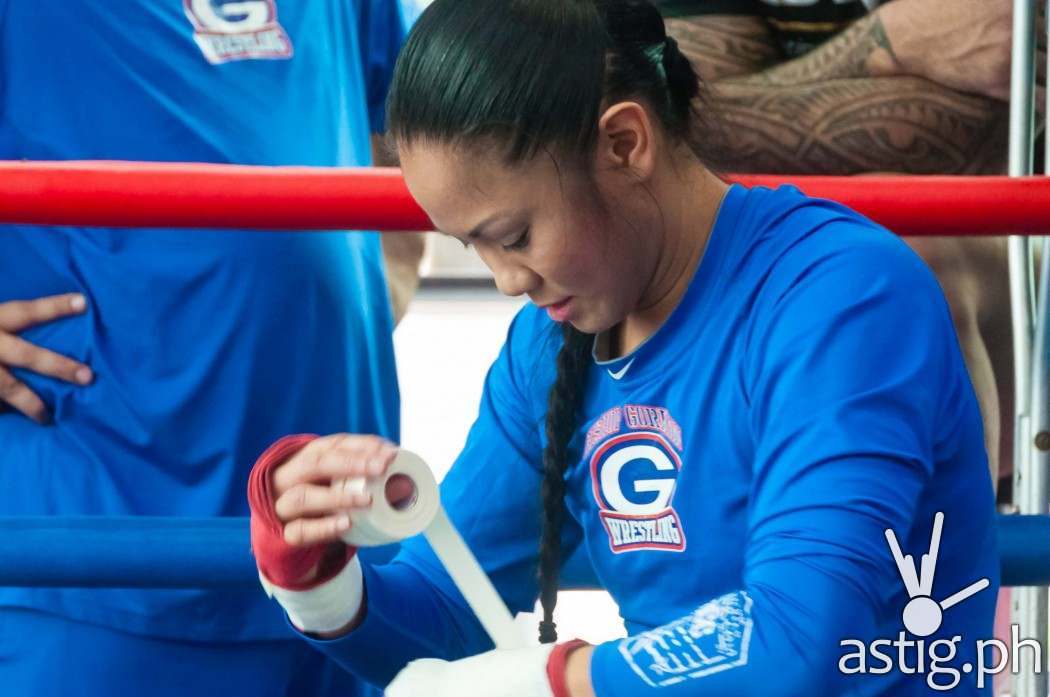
(559, 311)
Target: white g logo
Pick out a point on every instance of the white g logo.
(256, 15)
(610, 480)
(651, 451)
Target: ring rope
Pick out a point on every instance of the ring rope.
(180, 195)
(153, 552)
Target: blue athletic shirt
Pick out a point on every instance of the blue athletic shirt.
(207, 345)
(736, 474)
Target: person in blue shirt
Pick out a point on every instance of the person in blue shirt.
(747, 407)
(202, 346)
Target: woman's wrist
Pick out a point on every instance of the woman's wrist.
(578, 672)
(327, 610)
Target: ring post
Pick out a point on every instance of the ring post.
(1029, 606)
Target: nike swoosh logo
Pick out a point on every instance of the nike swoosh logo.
(621, 372)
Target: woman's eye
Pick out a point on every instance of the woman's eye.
(520, 243)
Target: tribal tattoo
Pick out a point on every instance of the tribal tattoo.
(825, 113)
(725, 46)
(861, 50)
(903, 124)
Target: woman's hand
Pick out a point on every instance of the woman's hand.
(310, 498)
(18, 315)
(496, 673)
(537, 671)
(300, 506)
(300, 511)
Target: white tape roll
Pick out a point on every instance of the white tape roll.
(383, 524)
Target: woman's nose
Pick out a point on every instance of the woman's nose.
(515, 280)
(512, 278)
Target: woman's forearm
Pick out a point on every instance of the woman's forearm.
(578, 672)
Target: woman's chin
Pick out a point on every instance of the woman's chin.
(591, 324)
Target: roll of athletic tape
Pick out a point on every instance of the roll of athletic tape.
(382, 523)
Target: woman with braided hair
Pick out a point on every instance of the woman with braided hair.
(730, 398)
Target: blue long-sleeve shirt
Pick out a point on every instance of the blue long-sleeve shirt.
(206, 345)
(736, 474)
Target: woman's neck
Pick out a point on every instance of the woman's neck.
(689, 205)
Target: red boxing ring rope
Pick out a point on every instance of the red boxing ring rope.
(172, 195)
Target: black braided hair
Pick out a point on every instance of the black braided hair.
(563, 407)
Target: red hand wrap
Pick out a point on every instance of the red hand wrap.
(282, 564)
(556, 664)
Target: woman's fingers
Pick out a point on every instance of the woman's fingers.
(343, 456)
(18, 315)
(19, 353)
(311, 500)
(15, 394)
(303, 532)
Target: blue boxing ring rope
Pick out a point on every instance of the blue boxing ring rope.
(145, 552)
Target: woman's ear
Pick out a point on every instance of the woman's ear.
(625, 140)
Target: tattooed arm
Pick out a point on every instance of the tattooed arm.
(902, 124)
(966, 47)
(831, 111)
(726, 46)
(862, 50)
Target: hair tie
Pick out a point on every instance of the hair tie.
(548, 632)
(657, 55)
